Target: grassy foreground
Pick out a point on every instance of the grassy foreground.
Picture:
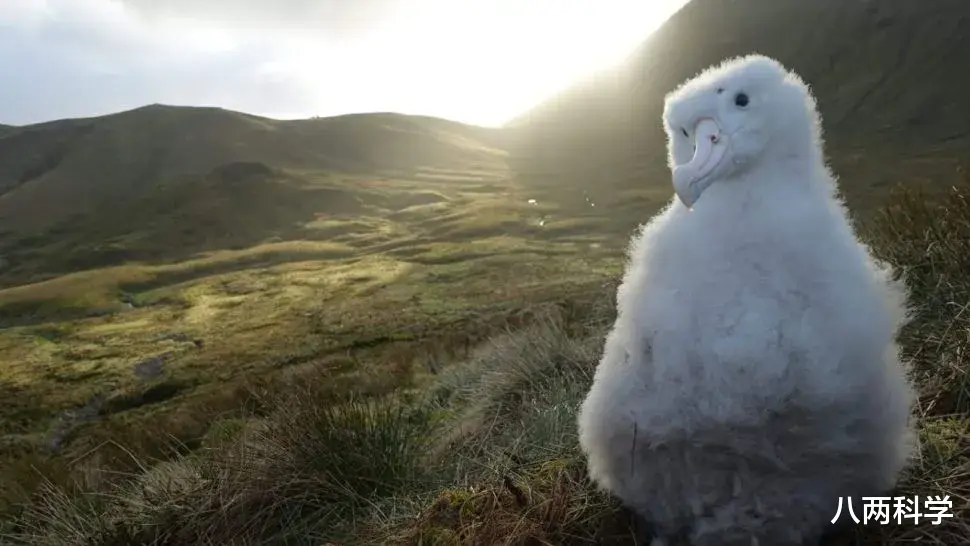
(484, 450)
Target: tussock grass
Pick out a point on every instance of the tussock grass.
(485, 451)
(304, 472)
(929, 237)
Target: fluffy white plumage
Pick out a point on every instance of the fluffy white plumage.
(752, 377)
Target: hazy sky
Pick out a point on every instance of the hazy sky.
(478, 61)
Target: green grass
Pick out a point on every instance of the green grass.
(405, 443)
(362, 298)
(126, 188)
(368, 333)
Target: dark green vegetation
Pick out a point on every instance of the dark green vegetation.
(217, 328)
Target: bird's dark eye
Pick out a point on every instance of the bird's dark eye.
(682, 130)
(741, 100)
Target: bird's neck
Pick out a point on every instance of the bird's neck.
(752, 194)
(784, 170)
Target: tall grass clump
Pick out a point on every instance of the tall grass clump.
(515, 474)
(305, 473)
(928, 239)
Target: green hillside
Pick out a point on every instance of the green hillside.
(164, 183)
(73, 166)
(218, 328)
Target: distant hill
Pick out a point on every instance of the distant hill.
(889, 76)
(53, 171)
(163, 182)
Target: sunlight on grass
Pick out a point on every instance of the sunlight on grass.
(424, 392)
(92, 292)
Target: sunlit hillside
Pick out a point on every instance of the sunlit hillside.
(886, 75)
(218, 328)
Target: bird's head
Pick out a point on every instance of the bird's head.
(732, 118)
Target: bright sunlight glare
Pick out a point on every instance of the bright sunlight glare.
(477, 61)
(484, 62)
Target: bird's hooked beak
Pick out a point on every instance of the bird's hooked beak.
(693, 177)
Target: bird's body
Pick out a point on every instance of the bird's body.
(751, 378)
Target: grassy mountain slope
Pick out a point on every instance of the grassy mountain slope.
(53, 171)
(233, 250)
(164, 183)
(363, 330)
(396, 448)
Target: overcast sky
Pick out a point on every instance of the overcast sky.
(478, 61)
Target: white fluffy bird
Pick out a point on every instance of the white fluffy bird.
(752, 377)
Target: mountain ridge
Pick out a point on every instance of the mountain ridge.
(886, 76)
(67, 167)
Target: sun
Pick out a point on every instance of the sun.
(484, 62)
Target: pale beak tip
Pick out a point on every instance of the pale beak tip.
(685, 201)
(684, 188)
